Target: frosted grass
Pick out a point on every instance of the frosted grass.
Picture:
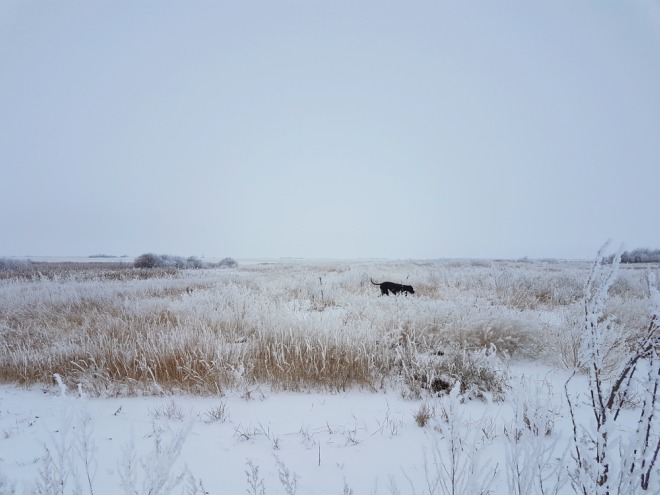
(290, 325)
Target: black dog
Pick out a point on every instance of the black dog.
(387, 287)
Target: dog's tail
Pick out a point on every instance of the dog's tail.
(372, 281)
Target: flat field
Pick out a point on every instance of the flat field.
(296, 376)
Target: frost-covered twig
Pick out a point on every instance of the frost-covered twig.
(598, 470)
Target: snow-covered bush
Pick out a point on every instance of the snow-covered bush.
(477, 373)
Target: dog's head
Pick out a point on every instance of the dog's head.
(408, 288)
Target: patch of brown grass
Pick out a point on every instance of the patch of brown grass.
(295, 361)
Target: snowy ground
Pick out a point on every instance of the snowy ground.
(327, 443)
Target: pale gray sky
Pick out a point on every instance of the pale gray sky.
(337, 129)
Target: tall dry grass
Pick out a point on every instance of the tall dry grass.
(290, 326)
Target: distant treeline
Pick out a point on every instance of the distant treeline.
(151, 260)
(642, 255)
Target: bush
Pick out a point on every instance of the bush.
(148, 260)
(477, 374)
(228, 263)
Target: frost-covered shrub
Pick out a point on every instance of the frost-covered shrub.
(477, 374)
(565, 341)
(480, 373)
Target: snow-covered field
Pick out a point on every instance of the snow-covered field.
(295, 376)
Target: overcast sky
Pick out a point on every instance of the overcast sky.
(329, 129)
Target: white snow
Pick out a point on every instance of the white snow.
(366, 441)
